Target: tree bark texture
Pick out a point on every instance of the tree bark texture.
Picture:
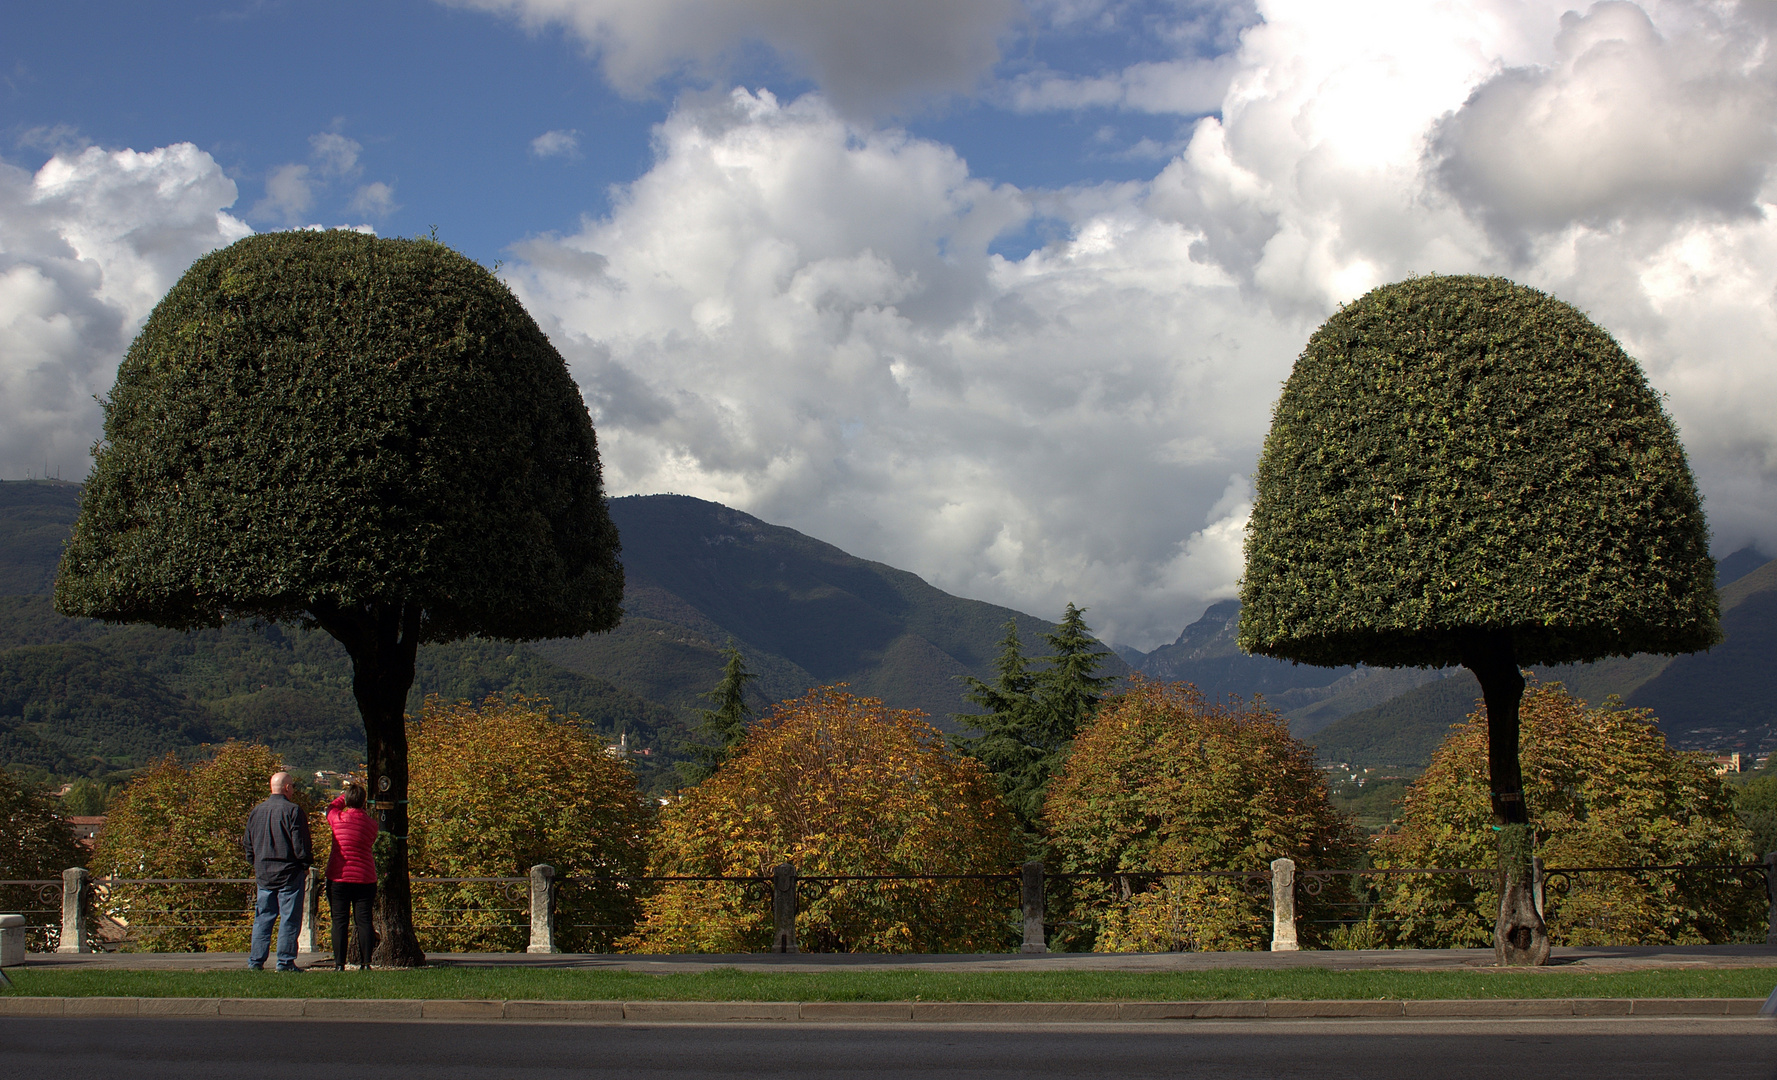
(1519, 935)
(383, 640)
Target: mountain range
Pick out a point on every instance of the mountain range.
(79, 697)
(1720, 700)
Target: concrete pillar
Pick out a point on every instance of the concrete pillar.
(309, 940)
(1771, 891)
(1283, 906)
(542, 910)
(783, 909)
(74, 886)
(1031, 899)
(12, 940)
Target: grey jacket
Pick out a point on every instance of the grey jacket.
(277, 843)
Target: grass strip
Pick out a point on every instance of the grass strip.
(731, 984)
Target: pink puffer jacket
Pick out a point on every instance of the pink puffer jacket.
(354, 831)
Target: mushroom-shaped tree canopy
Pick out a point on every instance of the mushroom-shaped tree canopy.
(368, 435)
(1463, 456)
(1462, 470)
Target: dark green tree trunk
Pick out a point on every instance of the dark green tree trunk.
(383, 640)
(1519, 935)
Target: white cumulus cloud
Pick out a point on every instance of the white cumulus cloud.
(88, 245)
(799, 315)
(558, 143)
(376, 199)
(293, 189)
(1625, 121)
(865, 54)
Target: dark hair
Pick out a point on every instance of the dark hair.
(354, 795)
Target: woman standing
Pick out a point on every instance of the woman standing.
(351, 871)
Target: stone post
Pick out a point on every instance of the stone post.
(1283, 906)
(1031, 899)
(309, 940)
(12, 940)
(542, 910)
(74, 882)
(1771, 891)
(783, 909)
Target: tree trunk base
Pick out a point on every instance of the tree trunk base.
(1520, 939)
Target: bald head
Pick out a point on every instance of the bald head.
(280, 783)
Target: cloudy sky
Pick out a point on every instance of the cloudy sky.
(997, 291)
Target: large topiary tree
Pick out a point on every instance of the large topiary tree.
(1462, 470)
(366, 435)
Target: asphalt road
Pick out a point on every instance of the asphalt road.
(114, 1049)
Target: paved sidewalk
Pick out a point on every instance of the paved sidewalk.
(1002, 1012)
(1622, 958)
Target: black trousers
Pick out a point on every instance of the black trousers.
(357, 896)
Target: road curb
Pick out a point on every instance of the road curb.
(881, 1012)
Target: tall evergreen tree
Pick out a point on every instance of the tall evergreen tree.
(1011, 743)
(725, 725)
(1031, 716)
(1070, 688)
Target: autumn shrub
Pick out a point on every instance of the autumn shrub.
(836, 784)
(1604, 790)
(506, 785)
(1165, 780)
(35, 845)
(186, 822)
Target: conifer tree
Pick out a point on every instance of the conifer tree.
(726, 724)
(1032, 716)
(1070, 687)
(1010, 743)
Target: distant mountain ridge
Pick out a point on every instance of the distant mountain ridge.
(803, 613)
(82, 697)
(1207, 655)
(1716, 700)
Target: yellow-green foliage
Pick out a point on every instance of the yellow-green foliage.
(504, 786)
(1165, 780)
(1461, 453)
(836, 784)
(175, 821)
(1604, 790)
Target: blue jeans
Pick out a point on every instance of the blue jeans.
(282, 906)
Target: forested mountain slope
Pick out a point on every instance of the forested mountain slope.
(79, 697)
(803, 612)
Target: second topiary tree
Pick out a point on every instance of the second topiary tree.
(1462, 470)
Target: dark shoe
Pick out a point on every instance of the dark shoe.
(255, 967)
(290, 971)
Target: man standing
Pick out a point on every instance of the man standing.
(277, 843)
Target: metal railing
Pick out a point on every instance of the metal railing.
(1018, 910)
